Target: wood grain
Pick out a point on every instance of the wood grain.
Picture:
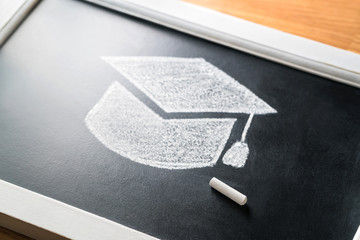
(333, 22)
(6, 234)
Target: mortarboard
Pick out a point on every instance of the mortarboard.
(176, 85)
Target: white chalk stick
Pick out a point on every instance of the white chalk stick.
(228, 191)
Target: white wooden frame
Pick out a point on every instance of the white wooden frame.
(357, 234)
(43, 218)
(294, 51)
(13, 23)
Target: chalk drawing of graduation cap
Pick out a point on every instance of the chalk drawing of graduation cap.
(177, 85)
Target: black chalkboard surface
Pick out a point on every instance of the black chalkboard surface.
(302, 176)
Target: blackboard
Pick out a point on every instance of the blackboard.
(302, 177)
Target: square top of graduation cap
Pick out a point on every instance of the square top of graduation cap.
(188, 85)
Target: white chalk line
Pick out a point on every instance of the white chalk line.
(188, 85)
(126, 126)
(246, 128)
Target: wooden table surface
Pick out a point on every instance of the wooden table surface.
(6, 234)
(333, 22)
